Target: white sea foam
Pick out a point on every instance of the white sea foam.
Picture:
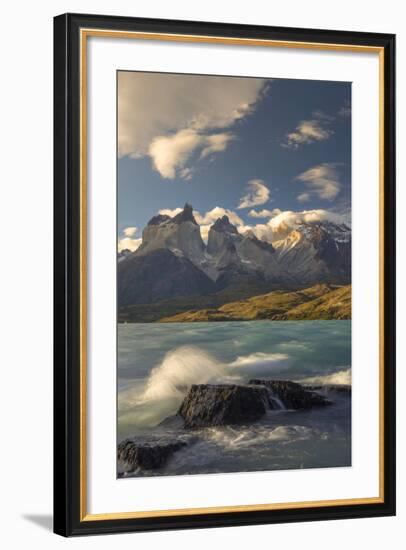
(187, 365)
(339, 377)
(289, 433)
(260, 359)
(232, 438)
(179, 369)
(167, 385)
(161, 395)
(169, 381)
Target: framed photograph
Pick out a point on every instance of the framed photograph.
(224, 274)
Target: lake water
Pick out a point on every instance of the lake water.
(158, 362)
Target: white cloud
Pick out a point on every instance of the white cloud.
(130, 231)
(345, 110)
(322, 181)
(215, 144)
(309, 131)
(127, 243)
(262, 231)
(204, 232)
(207, 219)
(293, 219)
(155, 107)
(218, 212)
(170, 211)
(321, 115)
(258, 193)
(264, 213)
(186, 173)
(170, 154)
(279, 226)
(303, 197)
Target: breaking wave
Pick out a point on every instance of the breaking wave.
(341, 377)
(260, 359)
(169, 381)
(179, 369)
(187, 365)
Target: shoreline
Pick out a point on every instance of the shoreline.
(321, 301)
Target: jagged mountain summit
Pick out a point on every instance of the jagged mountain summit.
(316, 252)
(180, 235)
(173, 260)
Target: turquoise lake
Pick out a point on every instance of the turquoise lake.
(157, 363)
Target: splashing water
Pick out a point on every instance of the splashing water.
(180, 368)
(341, 377)
(260, 359)
(158, 363)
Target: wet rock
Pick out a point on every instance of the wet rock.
(147, 454)
(292, 394)
(222, 404)
(173, 422)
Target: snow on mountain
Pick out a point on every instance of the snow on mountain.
(316, 251)
(307, 249)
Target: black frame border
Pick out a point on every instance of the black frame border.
(67, 436)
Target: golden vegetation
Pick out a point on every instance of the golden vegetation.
(322, 301)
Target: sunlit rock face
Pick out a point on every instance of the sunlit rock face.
(315, 252)
(305, 253)
(180, 235)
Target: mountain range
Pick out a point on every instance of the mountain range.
(173, 265)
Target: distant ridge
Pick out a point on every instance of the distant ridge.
(321, 301)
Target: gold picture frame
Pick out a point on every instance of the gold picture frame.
(71, 45)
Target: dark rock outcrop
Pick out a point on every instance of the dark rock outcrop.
(123, 254)
(158, 219)
(292, 394)
(224, 225)
(222, 404)
(147, 455)
(185, 216)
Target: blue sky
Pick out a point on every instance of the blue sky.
(255, 148)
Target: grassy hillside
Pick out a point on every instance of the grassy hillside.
(321, 301)
(146, 313)
(333, 305)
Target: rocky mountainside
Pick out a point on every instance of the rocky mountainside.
(180, 235)
(173, 260)
(316, 252)
(159, 275)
